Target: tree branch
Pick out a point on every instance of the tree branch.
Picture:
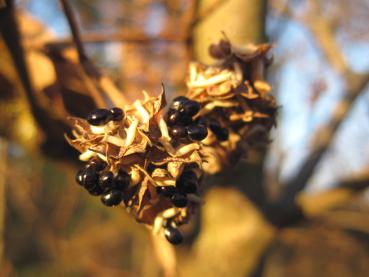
(356, 84)
(102, 82)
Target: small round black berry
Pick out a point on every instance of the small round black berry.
(173, 235)
(178, 132)
(122, 180)
(179, 200)
(90, 178)
(174, 117)
(197, 132)
(99, 117)
(79, 177)
(179, 102)
(167, 191)
(97, 165)
(106, 181)
(96, 190)
(191, 108)
(220, 132)
(117, 114)
(113, 198)
(187, 182)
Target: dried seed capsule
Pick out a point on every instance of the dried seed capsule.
(178, 132)
(122, 180)
(179, 200)
(191, 108)
(197, 132)
(117, 114)
(220, 132)
(106, 181)
(178, 103)
(173, 235)
(99, 117)
(225, 46)
(112, 198)
(167, 191)
(215, 51)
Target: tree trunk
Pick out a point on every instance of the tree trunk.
(233, 234)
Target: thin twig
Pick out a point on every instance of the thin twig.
(356, 84)
(102, 82)
(126, 36)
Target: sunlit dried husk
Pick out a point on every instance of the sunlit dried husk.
(237, 96)
(128, 145)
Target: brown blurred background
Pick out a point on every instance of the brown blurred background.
(298, 208)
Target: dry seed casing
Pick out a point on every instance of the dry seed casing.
(235, 102)
(133, 161)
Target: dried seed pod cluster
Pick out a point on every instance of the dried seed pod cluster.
(152, 161)
(235, 101)
(133, 160)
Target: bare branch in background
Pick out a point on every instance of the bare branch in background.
(102, 82)
(356, 84)
(126, 36)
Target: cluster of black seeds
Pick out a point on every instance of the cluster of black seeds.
(180, 120)
(100, 117)
(187, 183)
(99, 181)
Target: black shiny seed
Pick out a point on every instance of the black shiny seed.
(179, 200)
(97, 165)
(191, 108)
(96, 190)
(106, 181)
(79, 177)
(167, 191)
(117, 114)
(90, 178)
(122, 180)
(197, 132)
(187, 182)
(173, 235)
(220, 132)
(179, 102)
(185, 120)
(173, 117)
(99, 117)
(112, 198)
(178, 132)
(187, 186)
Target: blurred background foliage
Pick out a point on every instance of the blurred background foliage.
(249, 225)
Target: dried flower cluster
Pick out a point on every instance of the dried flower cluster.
(152, 161)
(234, 100)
